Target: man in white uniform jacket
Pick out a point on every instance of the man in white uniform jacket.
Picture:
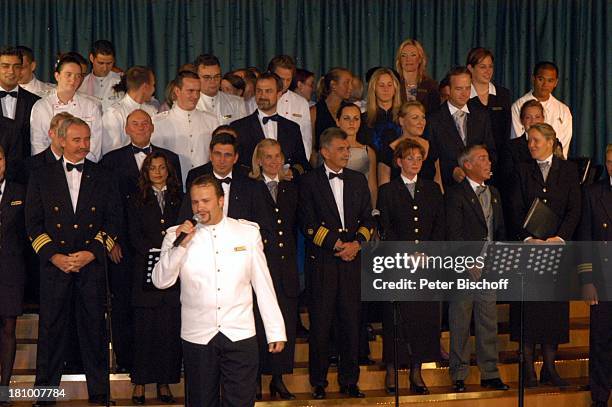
(220, 262)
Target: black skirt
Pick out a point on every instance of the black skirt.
(418, 332)
(543, 322)
(157, 345)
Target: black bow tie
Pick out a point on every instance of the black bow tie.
(266, 119)
(226, 180)
(333, 175)
(5, 94)
(146, 150)
(78, 167)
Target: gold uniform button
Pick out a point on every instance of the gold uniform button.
(265, 241)
(90, 226)
(162, 221)
(58, 226)
(416, 241)
(56, 209)
(275, 209)
(415, 207)
(75, 226)
(279, 221)
(282, 257)
(605, 225)
(280, 245)
(416, 230)
(93, 208)
(416, 219)
(62, 242)
(163, 232)
(340, 230)
(280, 232)
(544, 200)
(543, 189)
(86, 241)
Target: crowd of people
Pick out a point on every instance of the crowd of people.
(96, 172)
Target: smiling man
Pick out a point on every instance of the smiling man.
(99, 83)
(220, 263)
(545, 80)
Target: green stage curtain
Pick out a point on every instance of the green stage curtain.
(358, 34)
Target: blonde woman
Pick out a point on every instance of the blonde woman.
(275, 210)
(411, 63)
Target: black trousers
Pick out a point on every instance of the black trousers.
(57, 290)
(122, 324)
(600, 351)
(220, 373)
(335, 292)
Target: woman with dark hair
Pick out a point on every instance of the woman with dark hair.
(411, 63)
(233, 84)
(303, 84)
(275, 211)
(12, 267)
(333, 88)
(157, 313)
(494, 98)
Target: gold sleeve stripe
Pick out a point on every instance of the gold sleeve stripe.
(299, 168)
(585, 268)
(110, 242)
(40, 241)
(320, 235)
(365, 232)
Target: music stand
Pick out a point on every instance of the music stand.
(531, 262)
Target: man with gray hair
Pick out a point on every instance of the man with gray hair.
(474, 213)
(72, 216)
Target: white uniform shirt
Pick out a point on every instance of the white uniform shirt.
(9, 104)
(227, 108)
(556, 113)
(219, 269)
(337, 187)
(37, 87)
(250, 105)
(102, 88)
(73, 178)
(295, 108)
(80, 106)
(114, 119)
(185, 133)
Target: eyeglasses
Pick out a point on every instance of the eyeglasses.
(210, 78)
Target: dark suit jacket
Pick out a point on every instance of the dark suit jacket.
(465, 220)
(427, 93)
(39, 160)
(238, 170)
(122, 164)
(21, 122)
(52, 225)
(146, 229)
(13, 150)
(561, 192)
(319, 215)
(404, 218)
(279, 239)
(240, 199)
(596, 225)
(12, 235)
(499, 115)
(288, 134)
(513, 154)
(446, 143)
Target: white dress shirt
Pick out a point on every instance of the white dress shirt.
(452, 108)
(250, 105)
(226, 191)
(186, 133)
(114, 119)
(2, 185)
(492, 90)
(227, 108)
(101, 88)
(218, 270)
(38, 87)
(409, 181)
(9, 104)
(337, 187)
(140, 156)
(556, 114)
(295, 108)
(80, 106)
(270, 129)
(73, 178)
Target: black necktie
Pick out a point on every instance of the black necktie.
(266, 119)
(78, 167)
(226, 180)
(333, 175)
(146, 150)
(5, 94)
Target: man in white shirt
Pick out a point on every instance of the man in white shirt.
(140, 82)
(556, 113)
(184, 129)
(27, 79)
(227, 108)
(101, 81)
(291, 105)
(220, 263)
(66, 99)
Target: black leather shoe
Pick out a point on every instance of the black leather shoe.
(167, 397)
(552, 378)
(319, 393)
(418, 389)
(333, 360)
(389, 382)
(352, 390)
(140, 400)
(278, 386)
(495, 384)
(101, 400)
(459, 386)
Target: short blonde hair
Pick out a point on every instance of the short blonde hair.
(546, 130)
(256, 172)
(403, 110)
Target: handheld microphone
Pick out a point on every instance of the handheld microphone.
(376, 216)
(179, 239)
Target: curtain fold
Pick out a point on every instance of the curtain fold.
(358, 34)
